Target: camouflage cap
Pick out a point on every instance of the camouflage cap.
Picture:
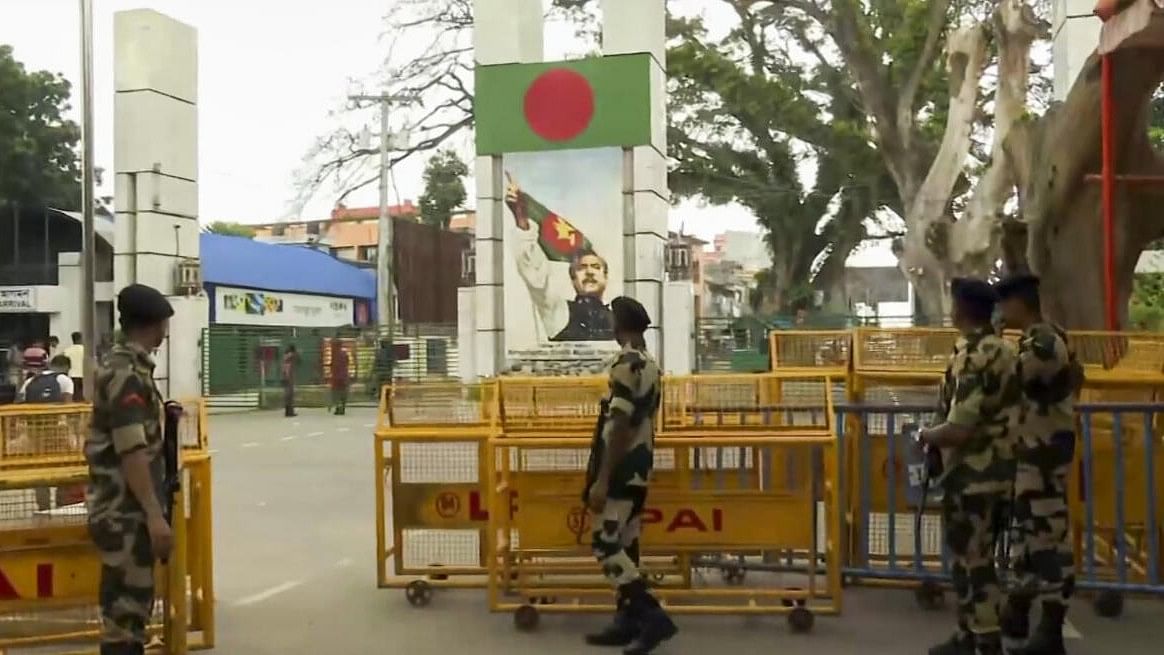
(974, 293)
(141, 304)
(629, 314)
(1017, 285)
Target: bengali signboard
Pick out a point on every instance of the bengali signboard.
(234, 306)
(17, 299)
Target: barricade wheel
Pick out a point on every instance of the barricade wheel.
(526, 618)
(1109, 604)
(801, 620)
(930, 595)
(733, 574)
(418, 593)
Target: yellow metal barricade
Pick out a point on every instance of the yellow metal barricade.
(766, 496)
(430, 496)
(1120, 423)
(894, 384)
(819, 351)
(49, 570)
(562, 405)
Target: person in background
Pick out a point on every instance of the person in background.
(35, 357)
(339, 377)
(290, 362)
(51, 386)
(385, 361)
(76, 355)
(54, 344)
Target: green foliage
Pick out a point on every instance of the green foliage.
(444, 188)
(746, 115)
(1146, 309)
(39, 165)
(227, 228)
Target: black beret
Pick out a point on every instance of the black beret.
(1017, 285)
(630, 314)
(138, 303)
(973, 292)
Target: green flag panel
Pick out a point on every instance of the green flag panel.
(586, 103)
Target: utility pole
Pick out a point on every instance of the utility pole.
(88, 234)
(385, 284)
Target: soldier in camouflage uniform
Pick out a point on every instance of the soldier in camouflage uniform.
(1051, 378)
(124, 452)
(617, 479)
(976, 443)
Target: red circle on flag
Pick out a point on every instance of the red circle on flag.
(559, 104)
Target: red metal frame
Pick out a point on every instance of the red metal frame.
(1108, 178)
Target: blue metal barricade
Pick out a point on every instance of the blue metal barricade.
(1116, 514)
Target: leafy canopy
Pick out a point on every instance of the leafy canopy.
(444, 188)
(39, 165)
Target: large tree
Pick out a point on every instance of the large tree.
(38, 145)
(444, 188)
(746, 115)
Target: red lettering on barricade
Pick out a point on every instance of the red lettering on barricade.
(44, 580)
(479, 513)
(685, 519)
(44, 584)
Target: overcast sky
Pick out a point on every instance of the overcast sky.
(270, 71)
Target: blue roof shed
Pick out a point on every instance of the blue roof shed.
(241, 262)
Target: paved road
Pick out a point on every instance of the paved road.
(295, 571)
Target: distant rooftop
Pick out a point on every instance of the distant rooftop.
(242, 262)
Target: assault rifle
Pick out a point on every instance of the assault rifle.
(597, 446)
(171, 481)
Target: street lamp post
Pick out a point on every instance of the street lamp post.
(88, 239)
(385, 289)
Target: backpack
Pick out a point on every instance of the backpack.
(43, 388)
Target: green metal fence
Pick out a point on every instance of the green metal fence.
(242, 365)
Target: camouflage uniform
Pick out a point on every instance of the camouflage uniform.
(127, 417)
(634, 391)
(982, 393)
(1045, 451)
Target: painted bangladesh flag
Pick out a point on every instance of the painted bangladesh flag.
(558, 238)
(587, 103)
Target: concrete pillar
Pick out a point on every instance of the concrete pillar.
(156, 167)
(466, 335)
(1075, 35)
(505, 32)
(637, 27)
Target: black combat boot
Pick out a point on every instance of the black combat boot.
(654, 626)
(960, 643)
(1048, 637)
(1016, 618)
(621, 631)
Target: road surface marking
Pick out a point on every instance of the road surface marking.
(345, 562)
(262, 503)
(250, 444)
(315, 434)
(369, 425)
(268, 594)
(289, 437)
(295, 424)
(211, 451)
(1070, 631)
(342, 429)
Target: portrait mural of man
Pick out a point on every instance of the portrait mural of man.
(563, 265)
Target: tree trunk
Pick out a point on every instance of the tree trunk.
(975, 237)
(1063, 211)
(924, 252)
